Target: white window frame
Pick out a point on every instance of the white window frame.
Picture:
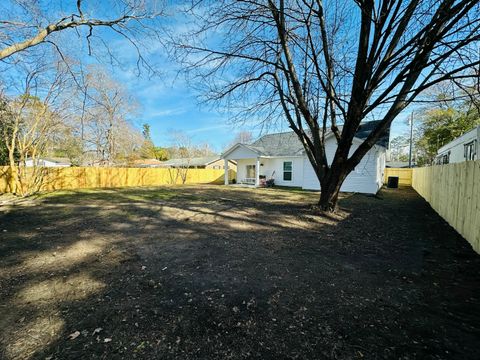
(446, 158)
(287, 171)
(470, 150)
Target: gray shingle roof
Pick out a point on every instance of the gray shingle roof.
(366, 128)
(288, 144)
(199, 161)
(281, 144)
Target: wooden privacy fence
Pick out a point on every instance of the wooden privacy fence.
(453, 191)
(104, 177)
(404, 175)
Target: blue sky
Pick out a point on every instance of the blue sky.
(167, 102)
(169, 105)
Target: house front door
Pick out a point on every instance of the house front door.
(250, 173)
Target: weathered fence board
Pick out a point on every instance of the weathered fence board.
(104, 177)
(453, 191)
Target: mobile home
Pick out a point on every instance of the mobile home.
(463, 148)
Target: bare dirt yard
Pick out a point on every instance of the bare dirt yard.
(214, 272)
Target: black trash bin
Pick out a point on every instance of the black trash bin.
(392, 182)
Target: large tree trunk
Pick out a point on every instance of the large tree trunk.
(330, 188)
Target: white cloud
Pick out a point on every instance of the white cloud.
(207, 128)
(165, 112)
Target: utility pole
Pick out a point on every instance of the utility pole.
(411, 142)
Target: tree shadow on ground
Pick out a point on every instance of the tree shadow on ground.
(213, 272)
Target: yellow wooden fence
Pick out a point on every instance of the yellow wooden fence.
(105, 177)
(453, 191)
(404, 175)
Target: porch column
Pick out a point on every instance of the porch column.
(257, 172)
(225, 168)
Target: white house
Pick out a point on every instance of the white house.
(463, 148)
(282, 157)
(48, 162)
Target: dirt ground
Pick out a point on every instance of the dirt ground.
(211, 272)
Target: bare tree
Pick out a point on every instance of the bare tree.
(242, 137)
(184, 151)
(108, 131)
(326, 67)
(7, 120)
(202, 150)
(399, 148)
(31, 120)
(41, 119)
(31, 24)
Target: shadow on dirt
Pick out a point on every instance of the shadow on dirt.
(212, 273)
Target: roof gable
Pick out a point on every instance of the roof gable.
(242, 151)
(288, 144)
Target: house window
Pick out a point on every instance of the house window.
(250, 171)
(470, 150)
(287, 171)
(446, 158)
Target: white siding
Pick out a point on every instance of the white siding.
(46, 163)
(365, 178)
(275, 166)
(456, 147)
(381, 161)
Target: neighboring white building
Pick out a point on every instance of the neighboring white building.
(206, 162)
(50, 162)
(282, 157)
(463, 148)
(399, 164)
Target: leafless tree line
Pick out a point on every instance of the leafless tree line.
(54, 104)
(51, 117)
